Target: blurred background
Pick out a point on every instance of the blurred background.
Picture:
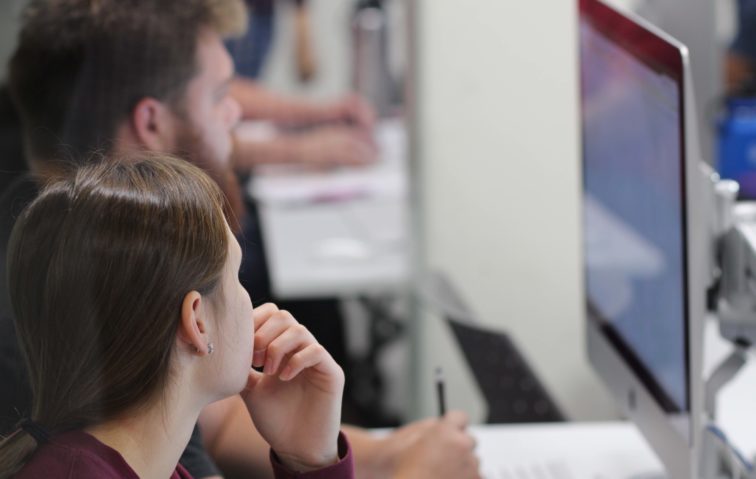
(481, 101)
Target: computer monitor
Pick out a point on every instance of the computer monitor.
(643, 251)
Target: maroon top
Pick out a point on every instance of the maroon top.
(344, 469)
(78, 455)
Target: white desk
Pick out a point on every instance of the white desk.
(341, 232)
(612, 450)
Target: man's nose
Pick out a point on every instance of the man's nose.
(234, 112)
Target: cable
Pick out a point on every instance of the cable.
(735, 456)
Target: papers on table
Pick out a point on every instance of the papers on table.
(291, 185)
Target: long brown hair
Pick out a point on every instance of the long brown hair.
(98, 267)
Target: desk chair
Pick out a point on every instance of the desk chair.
(512, 391)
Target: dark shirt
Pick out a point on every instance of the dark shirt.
(15, 395)
(744, 42)
(12, 162)
(260, 7)
(196, 459)
(250, 50)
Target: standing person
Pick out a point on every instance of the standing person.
(328, 133)
(119, 76)
(136, 258)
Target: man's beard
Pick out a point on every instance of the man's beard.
(191, 147)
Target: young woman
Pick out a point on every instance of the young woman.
(124, 280)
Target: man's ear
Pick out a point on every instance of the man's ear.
(192, 327)
(153, 125)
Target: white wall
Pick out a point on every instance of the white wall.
(499, 151)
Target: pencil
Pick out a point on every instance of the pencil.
(440, 392)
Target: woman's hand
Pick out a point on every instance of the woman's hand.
(296, 401)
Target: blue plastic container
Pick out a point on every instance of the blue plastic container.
(736, 144)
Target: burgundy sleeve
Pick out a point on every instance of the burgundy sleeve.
(344, 469)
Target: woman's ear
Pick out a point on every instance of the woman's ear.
(153, 125)
(192, 327)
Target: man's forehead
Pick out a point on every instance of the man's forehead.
(213, 57)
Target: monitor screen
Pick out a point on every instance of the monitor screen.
(633, 203)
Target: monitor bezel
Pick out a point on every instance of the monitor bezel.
(662, 57)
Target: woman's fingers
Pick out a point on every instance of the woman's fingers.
(288, 343)
(272, 326)
(312, 355)
(253, 378)
(262, 313)
(284, 347)
(458, 419)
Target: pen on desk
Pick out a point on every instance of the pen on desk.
(440, 392)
